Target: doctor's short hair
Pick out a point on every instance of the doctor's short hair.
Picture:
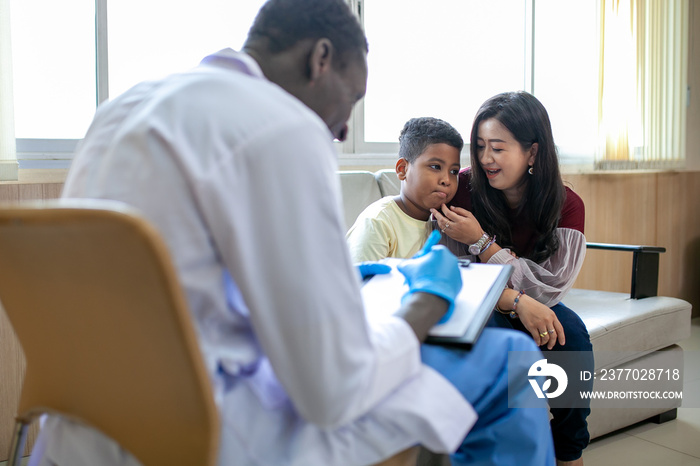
(280, 24)
(418, 133)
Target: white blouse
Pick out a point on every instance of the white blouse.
(549, 281)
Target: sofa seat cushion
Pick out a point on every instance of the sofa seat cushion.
(623, 329)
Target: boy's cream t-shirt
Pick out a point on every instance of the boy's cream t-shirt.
(384, 230)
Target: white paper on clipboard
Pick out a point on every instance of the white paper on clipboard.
(482, 284)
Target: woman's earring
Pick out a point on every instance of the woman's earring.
(530, 170)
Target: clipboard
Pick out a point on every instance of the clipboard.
(482, 285)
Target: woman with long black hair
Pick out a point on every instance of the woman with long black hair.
(512, 207)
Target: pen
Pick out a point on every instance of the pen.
(432, 240)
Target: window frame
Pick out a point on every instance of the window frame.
(355, 151)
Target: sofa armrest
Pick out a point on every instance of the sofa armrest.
(645, 266)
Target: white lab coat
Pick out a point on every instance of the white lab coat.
(238, 175)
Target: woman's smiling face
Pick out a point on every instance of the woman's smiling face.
(503, 159)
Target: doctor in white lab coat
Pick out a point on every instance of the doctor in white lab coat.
(233, 162)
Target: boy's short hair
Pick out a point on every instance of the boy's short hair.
(418, 133)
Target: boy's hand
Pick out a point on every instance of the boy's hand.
(435, 272)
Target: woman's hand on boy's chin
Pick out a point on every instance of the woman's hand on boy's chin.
(457, 223)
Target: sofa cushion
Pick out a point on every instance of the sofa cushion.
(622, 328)
(388, 181)
(359, 189)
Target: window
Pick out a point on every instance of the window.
(444, 58)
(643, 90)
(57, 49)
(53, 49)
(565, 68)
(438, 58)
(148, 39)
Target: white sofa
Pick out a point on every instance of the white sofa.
(625, 332)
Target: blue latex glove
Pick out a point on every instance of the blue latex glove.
(434, 271)
(432, 240)
(367, 269)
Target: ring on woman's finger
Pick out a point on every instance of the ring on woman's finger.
(551, 331)
(542, 335)
(447, 225)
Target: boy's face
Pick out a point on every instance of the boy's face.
(430, 181)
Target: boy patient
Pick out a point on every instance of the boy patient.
(428, 167)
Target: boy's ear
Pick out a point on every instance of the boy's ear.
(401, 166)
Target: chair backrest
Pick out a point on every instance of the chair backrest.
(98, 309)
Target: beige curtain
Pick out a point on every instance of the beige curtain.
(8, 151)
(642, 84)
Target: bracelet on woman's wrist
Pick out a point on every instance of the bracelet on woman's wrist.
(488, 245)
(482, 244)
(513, 312)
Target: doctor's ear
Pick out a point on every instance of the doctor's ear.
(320, 58)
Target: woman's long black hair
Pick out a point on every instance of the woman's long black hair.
(526, 118)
